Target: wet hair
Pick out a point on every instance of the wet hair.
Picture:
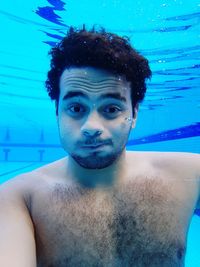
(98, 49)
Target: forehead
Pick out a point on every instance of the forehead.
(93, 81)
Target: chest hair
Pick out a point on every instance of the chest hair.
(137, 223)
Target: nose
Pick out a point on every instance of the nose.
(93, 126)
(90, 133)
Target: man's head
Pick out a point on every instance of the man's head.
(97, 80)
(102, 50)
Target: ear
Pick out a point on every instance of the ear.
(136, 109)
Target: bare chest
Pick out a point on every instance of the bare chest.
(138, 224)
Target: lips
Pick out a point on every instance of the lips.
(93, 146)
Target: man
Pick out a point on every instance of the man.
(100, 205)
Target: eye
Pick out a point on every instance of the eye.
(76, 109)
(112, 110)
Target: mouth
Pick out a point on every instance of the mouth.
(94, 146)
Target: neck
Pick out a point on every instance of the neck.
(93, 178)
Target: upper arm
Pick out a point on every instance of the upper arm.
(194, 166)
(17, 243)
(198, 177)
(187, 167)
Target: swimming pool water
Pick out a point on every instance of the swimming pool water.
(166, 32)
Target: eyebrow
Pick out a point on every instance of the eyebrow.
(116, 96)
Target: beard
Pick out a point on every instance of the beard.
(97, 161)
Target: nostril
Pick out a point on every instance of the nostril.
(86, 133)
(92, 133)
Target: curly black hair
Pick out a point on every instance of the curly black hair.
(99, 49)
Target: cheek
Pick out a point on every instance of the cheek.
(125, 125)
(122, 129)
(67, 130)
(121, 134)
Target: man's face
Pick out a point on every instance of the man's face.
(94, 115)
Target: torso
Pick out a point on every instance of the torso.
(142, 221)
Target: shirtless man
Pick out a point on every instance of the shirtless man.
(100, 206)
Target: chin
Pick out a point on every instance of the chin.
(95, 160)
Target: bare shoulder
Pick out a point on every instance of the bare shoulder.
(182, 169)
(26, 184)
(182, 166)
(15, 187)
(171, 160)
(187, 163)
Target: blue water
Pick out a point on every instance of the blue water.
(166, 32)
